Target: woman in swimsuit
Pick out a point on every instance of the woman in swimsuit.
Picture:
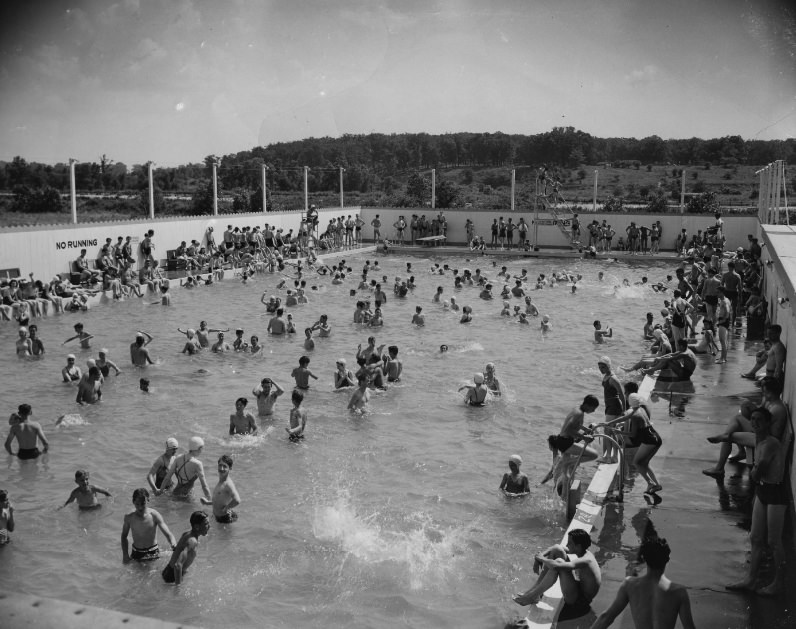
(476, 395)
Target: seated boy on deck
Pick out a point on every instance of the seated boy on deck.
(576, 568)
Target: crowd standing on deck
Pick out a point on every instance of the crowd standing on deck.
(709, 286)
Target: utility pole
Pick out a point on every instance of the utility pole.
(151, 191)
(215, 186)
(72, 192)
(265, 182)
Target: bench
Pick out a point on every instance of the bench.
(432, 241)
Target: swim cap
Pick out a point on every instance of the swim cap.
(139, 335)
(103, 351)
(634, 400)
(545, 318)
(171, 442)
(490, 365)
(657, 333)
(341, 361)
(72, 356)
(604, 360)
(91, 363)
(664, 312)
(195, 443)
(191, 331)
(516, 459)
(478, 378)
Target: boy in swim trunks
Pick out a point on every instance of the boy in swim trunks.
(600, 334)
(569, 443)
(225, 494)
(185, 551)
(144, 524)
(266, 396)
(27, 433)
(361, 395)
(393, 365)
(81, 334)
(298, 417)
(85, 493)
(515, 482)
(302, 374)
(6, 518)
(574, 566)
(241, 422)
(160, 467)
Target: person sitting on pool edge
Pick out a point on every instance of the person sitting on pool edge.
(682, 363)
(564, 563)
(515, 482)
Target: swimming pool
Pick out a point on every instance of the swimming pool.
(389, 519)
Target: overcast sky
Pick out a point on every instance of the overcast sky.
(175, 80)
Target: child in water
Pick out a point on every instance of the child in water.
(298, 417)
(515, 482)
(85, 493)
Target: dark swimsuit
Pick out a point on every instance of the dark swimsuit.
(562, 443)
(772, 493)
(28, 453)
(145, 554)
(229, 517)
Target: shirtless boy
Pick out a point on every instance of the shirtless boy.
(139, 354)
(562, 563)
(144, 524)
(6, 518)
(361, 396)
(302, 374)
(266, 395)
(225, 495)
(298, 417)
(600, 334)
(394, 367)
(185, 551)
(570, 440)
(82, 335)
(654, 600)
(85, 493)
(27, 433)
(220, 346)
(241, 422)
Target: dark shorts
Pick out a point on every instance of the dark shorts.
(561, 443)
(145, 554)
(168, 574)
(229, 517)
(295, 437)
(28, 453)
(772, 494)
(712, 300)
(731, 294)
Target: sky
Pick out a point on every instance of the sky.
(173, 81)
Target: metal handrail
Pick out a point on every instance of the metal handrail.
(619, 443)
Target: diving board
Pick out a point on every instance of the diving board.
(544, 614)
(429, 241)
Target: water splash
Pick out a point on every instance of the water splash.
(426, 553)
(71, 419)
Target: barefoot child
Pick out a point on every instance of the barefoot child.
(85, 493)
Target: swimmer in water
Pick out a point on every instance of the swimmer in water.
(192, 345)
(225, 495)
(298, 417)
(82, 335)
(467, 315)
(419, 318)
(530, 308)
(515, 482)
(24, 346)
(144, 523)
(85, 493)
(241, 422)
(546, 326)
(143, 384)
(185, 551)
(443, 348)
(71, 373)
(361, 396)
(600, 334)
(476, 395)
(490, 379)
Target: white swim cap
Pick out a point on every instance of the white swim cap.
(103, 351)
(604, 360)
(516, 459)
(478, 378)
(634, 399)
(195, 443)
(171, 442)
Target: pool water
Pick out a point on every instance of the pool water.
(391, 518)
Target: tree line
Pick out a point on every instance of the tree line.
(380, 163)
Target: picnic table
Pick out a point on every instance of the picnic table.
(432, 241)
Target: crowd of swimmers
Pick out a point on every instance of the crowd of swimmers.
(702, 291)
